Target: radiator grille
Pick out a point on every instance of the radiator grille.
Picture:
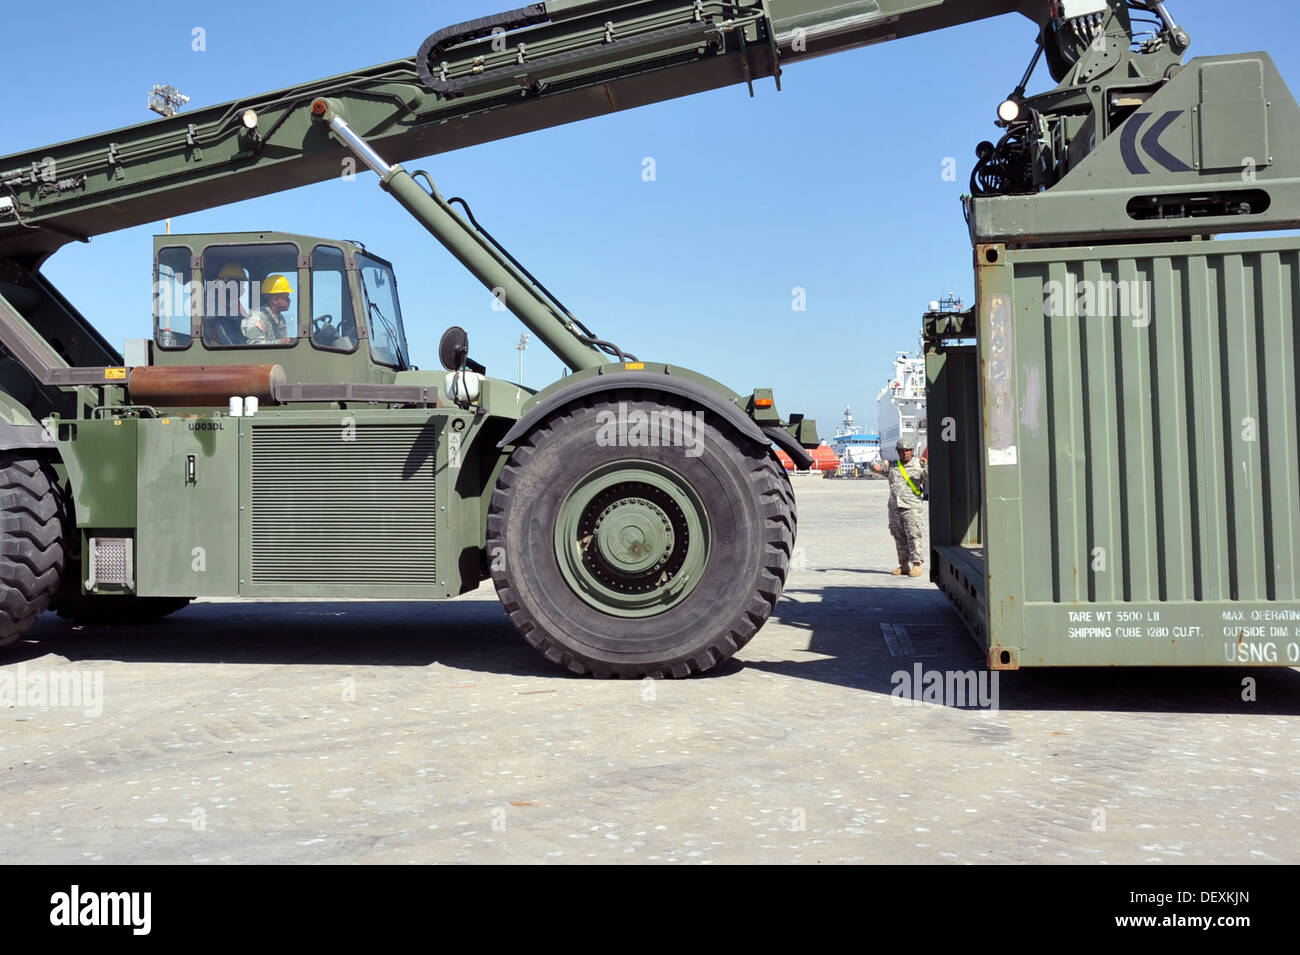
(360, 511)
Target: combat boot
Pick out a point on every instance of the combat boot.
(915, 571)
(898, 571)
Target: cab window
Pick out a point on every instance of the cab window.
(250, 295)
(173, 305)
(383, 315)
(333, 322)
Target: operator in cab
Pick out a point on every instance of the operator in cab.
(266, 325)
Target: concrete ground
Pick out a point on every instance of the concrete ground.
(399, 732)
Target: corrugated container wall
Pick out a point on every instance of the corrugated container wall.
(1140, 455)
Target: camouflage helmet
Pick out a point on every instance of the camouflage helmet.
(905, 444)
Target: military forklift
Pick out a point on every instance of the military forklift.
(275, 440)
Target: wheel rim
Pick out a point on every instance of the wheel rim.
(632, 538)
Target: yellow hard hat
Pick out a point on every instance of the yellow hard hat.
(276, 285)
(233, 271)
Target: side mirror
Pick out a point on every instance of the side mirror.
(453, 349)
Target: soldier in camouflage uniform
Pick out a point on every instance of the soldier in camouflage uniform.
(907, 480)
(267, 325)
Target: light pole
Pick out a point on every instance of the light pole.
(521, 345)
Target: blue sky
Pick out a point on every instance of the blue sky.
(833, 185)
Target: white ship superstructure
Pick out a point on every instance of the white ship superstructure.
(901, 403)
(855, 447)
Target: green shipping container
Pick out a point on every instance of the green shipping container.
(1115, 454)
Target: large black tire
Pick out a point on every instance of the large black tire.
(31, 542)
(126, 610)
(742, 492)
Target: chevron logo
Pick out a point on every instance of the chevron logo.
(1150, 143)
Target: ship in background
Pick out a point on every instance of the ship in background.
(901, 403)
(857, 449)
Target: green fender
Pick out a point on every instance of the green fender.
(702, 391)
(18, 429)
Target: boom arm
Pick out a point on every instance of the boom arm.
(1164, 148)
(545, 65)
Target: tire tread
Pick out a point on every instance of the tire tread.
(31, 542)
(774, 494)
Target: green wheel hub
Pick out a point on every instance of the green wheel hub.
(632, 538)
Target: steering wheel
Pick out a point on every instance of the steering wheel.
(323, 330)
